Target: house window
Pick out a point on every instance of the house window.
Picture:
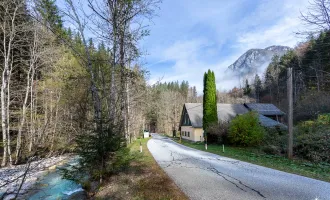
(188, 134)
(186, 119)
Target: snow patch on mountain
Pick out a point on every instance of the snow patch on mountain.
(255, 61)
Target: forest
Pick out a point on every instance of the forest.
(63, 91)
(72, 81)
(311, 78)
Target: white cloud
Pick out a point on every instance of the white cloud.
(186, 67)
(271, 23)
(283, 32)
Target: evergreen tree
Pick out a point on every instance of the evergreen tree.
(247, 88)
(257, 87)
(51, 17)
(210, 114)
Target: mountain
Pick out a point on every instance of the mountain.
(255, 61)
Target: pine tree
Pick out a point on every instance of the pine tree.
(247, 88)
(51, 16)
(257, 87)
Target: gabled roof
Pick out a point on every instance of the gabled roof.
(195, 112)
(264, 108)
(225, 112)
(268, 122)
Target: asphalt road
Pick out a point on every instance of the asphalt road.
(203, 175)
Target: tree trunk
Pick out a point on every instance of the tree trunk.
(8, 117)
(55, 123)
(22, 122)
(94, 90)
(31, 112)
(127, 112)
(4, 116)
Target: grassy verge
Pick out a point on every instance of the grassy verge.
(144, 179)
(319, 171)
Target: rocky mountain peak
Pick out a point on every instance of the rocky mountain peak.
(255, 61)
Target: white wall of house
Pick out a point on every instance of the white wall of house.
(187, 132)
(191, 133)
(198, 134)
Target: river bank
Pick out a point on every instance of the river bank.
(11, 177)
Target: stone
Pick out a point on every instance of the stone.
(9, 197)
(82, 195)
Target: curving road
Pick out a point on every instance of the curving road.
(203, 175)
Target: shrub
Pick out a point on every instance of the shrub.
(270, 149)
(275, 141)
(313, 143)
(245, 130)
(218, 132)
(121, 160)
(324, 119)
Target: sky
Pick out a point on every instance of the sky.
(188, 37)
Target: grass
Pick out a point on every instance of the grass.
(144, 179)
(320, 171)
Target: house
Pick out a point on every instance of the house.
(191, 123)
(267, 110)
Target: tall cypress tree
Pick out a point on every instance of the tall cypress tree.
(214, 100)
(210, 114)
(204, 101)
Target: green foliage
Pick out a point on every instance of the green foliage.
(218, 132)
(324, 119)
(50, 15)
(247, 88)
(311, 105)
(210, 114)
(313, 140)
(98, 149)
(311, 66)
(275, 141)
(257, 87)
(245, 130)
(121, 160)
(254, 155)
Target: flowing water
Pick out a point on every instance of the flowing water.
(53, 187)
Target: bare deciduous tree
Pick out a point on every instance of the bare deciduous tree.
(11, 12)
(318, 15)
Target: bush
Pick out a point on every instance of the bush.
(313, 143)
(245, 130)
(218, 132)
(275, 141)
(271, 149)
(121, 160)
(324, 119)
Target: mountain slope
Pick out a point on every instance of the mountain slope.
(255, 61)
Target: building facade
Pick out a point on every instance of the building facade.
(191, 123)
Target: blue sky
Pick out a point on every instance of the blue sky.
(188, 37)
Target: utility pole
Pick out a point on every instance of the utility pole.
(290, 113)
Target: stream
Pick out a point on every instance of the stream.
(53, 187)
